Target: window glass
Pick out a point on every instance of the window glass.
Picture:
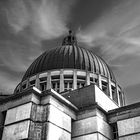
(121, 98)
(24, 86)
(115, 131)
(96, 81)
(2, 121)
(32, 83)
(114, 94)
(91, 80)
(43, 86)
(56, 85)
(105, 87)
(42, 79)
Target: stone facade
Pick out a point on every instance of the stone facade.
(39, 117)
(75, 115)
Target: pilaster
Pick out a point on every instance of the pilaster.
(87, 78)
(49, 80)
(74, 79)
(99, 81)
(61, 80)
(37, 82)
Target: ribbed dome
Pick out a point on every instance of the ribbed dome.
(69, 56)
(70, 67)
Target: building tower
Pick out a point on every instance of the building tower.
(68, 93)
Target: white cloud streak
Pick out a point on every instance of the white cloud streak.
(30, 21)
(47, 19)
(7, 84)
(117, 31)
(17, 57)
(117, 34)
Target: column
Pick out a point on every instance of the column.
(74, 79)
(27, 83)
(61, 80)
(68, 87)
(37, 82)
(87, 78)
(56, 86)
(118, 95)
(99, 81)
(109, 88)
(123, 98)
(20, 87)
(2, 119)
(49, 80)
(94, 78)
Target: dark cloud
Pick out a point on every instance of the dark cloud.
(89, 11)
(132, 94)
(23, 27)
(45, 18)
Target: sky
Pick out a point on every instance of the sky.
(108, 28)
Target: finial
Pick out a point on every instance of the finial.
(70, 32)
(70, 39)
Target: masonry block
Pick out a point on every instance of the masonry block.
(129, 126)
(56, 133)
(84, 126)
(59, 118)
(87, 137)
(19, 113)
(16, 131)
(37, 131)
(131, 137)
(39, 113)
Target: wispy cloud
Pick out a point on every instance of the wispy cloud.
(26, 23)
(17, 57)
(117, 35)
(117, 31)
(46, 19)
(7, 83)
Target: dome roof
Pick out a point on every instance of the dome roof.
(69, 56)
(70, 67)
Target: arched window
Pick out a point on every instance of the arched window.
(17, 89)
(24, 86)
(114, 94)
(121, 98)
(96, 81)
(81, 80)
(68, 82)
(105, 87)
(43, 83)
(115, 131)
(56, 85)
(91, 80)
(55, 82)
(32, 83)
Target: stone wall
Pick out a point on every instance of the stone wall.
(41, 118)
(91, 124)
(49, 122)
(129, 129)
(127, 121)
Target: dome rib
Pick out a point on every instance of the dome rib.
(80, 58)
(96, 69)
(75, 56)
(66, 57)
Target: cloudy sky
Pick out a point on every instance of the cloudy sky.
(109, 28)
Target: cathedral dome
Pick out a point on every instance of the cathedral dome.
(69, 57)
(70, 67)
